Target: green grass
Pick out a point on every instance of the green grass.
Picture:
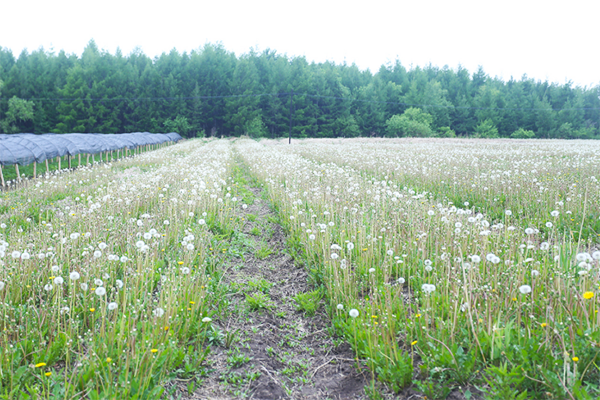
(263, 252)
(309, 302)
(258, 301)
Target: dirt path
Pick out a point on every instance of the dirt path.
(279, 352)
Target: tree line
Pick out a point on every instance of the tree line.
(213, 92)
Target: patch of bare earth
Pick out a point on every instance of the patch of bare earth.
(279, 352)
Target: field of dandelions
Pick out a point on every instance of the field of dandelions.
(447, 265)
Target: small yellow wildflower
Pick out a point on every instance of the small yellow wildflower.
(413, 343)
(417, 315)
(42, 364)
(544, 324)
(108, 359)
(192, 302)
(48, 373)
(588, 295)
(92, 309)
(154, 350)
(575, 359)
(180, 262)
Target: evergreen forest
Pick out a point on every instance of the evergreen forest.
(213, 92)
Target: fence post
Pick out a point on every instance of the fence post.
(291, 103)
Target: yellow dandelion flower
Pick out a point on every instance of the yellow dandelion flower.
(180, 262)
(588, 295)
(92, 309)
(42, 364)
(413, 343)
(108, 359)
(575, 359)
(48, 373)
(192, 302)
(154, 350)
(544, 324)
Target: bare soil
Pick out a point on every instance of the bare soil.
(291, 355)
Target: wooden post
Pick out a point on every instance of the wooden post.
(47, 167)
(34, 170)
(87, 161)
(79, 165)
(69, 158)
(59, 160)
(2, 176)
(291, 102)
(17, 171)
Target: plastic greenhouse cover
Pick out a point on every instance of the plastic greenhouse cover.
(174, 136)
(25, 148)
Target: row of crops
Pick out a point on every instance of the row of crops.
(451, 263)
(98, 296)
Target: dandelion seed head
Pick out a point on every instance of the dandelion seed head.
(525, 289)
(428, 288)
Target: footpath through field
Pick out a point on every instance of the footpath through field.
(276, 343)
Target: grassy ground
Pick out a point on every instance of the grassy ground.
(213, 269)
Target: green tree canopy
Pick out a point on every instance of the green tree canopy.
(224, 94)
(18, 111)
(413, 122)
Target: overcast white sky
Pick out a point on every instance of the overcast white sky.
(547, 40)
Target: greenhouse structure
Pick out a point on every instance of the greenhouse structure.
(26, 148)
